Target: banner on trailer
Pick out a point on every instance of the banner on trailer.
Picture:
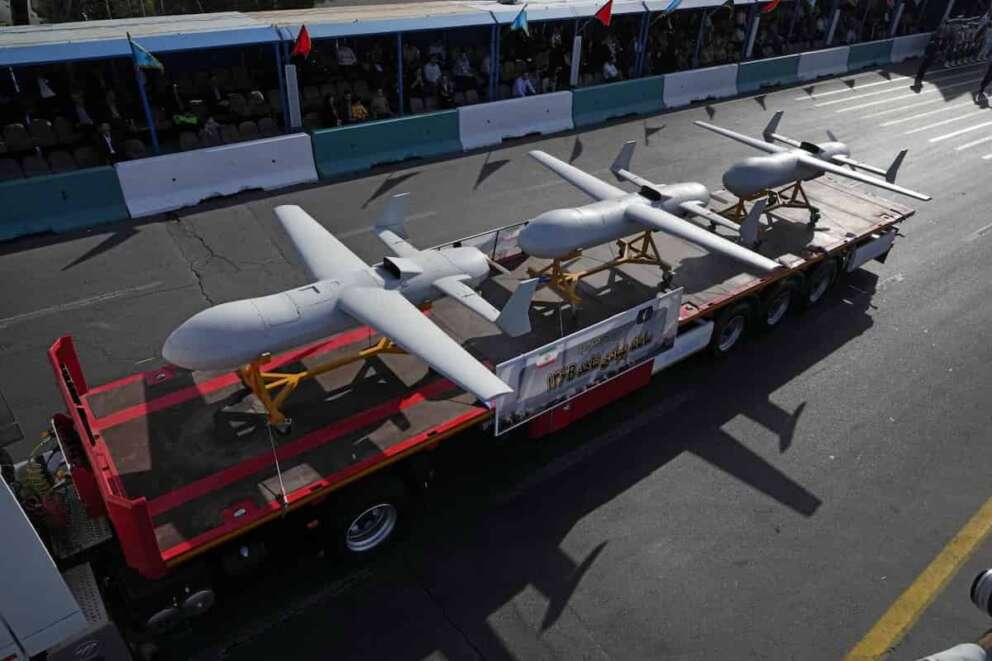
(557, 372)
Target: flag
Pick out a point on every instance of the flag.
(605, 13)
(769, 7)
(303, 45)
(520, 22)
(142, 58)
(672, 6)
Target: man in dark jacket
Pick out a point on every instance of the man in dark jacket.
(933, 49)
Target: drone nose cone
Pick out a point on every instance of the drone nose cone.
(470, 261)
(222, 337)
(547, 236)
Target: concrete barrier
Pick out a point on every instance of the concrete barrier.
(491, 123)
(684, 87)
(60, 202)
(904, 48)
(752, 76)
(593, 105)
(826, 62)
(173, 181)
(354, 148)
(869, 54)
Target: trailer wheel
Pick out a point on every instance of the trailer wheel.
(729, 328)
(818, 281)
(775, 306)
(369, 517)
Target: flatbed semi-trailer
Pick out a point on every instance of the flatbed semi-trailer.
(186, 469)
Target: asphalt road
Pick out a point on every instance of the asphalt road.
(769, 506)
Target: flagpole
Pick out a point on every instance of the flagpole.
(139, 76)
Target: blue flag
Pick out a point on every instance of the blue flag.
(142, 58)
(672, 6)
(520, 22)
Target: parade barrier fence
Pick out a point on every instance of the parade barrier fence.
(595, 105)
(752, 76)
(85, 198)
(826, 62)
(164, 183)
(60, 202)
(869, 54)
(684, 87)
(904, 48)
(490, 123)
(358, 147)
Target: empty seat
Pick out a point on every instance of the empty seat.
(471, 96)
(64, 131)
(61, 161)
(238, 105)
(267, 127)
(34, 166)
(248, 130)
(10, 169)
(134, 148)
(416, 104)
(42, 133)
(229, 133)
(188, 140)
(86, 157)
(17, 138)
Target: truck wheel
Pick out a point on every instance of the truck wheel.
(818, 281)
(370, 517)
(775, 306)
(728, 329)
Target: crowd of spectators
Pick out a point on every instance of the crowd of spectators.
(61, 117)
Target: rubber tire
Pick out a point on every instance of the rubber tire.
(358, 499)
(721, 323)
(761, 321)
(828, 269)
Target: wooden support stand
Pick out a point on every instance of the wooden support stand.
(273, 388)
(790, 197)
(639, 250)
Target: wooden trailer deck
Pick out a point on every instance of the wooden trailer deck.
(197, 449)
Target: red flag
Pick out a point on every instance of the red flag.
(769, 7)
(605, 13)
(302, 45)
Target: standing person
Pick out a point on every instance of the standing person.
(934, 47)
(986, 80)
(522, 86)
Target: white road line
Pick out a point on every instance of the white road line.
(903, 120)
(927, 87)
(941, 138)
(75, 305)
(894, 79)
(911, 95)
(986, 157)
(969, 145)
(902, 108)
(943, 122)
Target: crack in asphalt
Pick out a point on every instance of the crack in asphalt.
(440, 607)
(194, 264)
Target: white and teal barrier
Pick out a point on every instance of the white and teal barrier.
(165, 183)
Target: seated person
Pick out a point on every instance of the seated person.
(446, 92)
(522, 86)
(380, 105)
(610, 71)
(358, 111)
(432, 73)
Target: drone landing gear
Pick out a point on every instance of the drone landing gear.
(639, 250)
(790, 197)
(273, 388)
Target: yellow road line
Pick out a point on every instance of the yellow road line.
(901, 615)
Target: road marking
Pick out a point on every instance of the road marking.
(941, 138)
(943, 122)
(986, 157)
(983, 231)
(969, 145)
(911, 95)
(928, 88)
(903, 120)
(902, 108)
(905, 610)
(75, 305)
(894, 79)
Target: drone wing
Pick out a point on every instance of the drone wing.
(585, 182)
(323, 255)
(827, 166)
(395, 317)
(662, 221)
(740, 137)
